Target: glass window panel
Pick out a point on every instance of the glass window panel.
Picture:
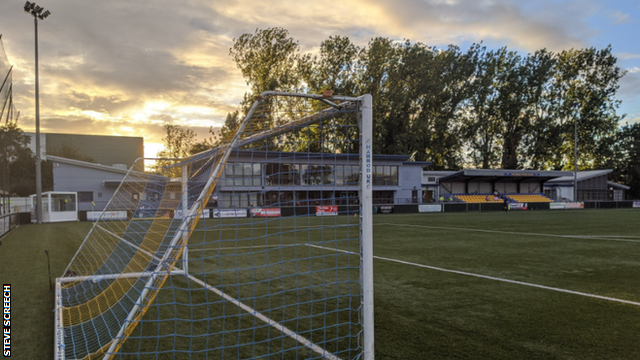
(238, 181)
(257, 169)
(225, 200)
(244, 200)
(257, 181)
(248, 169)
(63, 202)
(339, 174)
(327, 175)
(229, 181)
(228, 170)
(247, 181)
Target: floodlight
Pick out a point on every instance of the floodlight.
(37, 12)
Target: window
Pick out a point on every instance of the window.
(243, 174)
(63, 202)
(347, 174)
(282, 174)
(317, 174)
(85, 196)
(385, 175)
(242, 200)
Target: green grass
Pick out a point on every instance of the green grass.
(420, 313)
(23, 264)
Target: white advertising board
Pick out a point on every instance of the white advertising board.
(203, 215)
(517, 206)
(108, 215)
(229, 213)
(636, 204)
(429, 208)
(557, 206)
(575, 205)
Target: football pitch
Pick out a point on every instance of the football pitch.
(517, 285)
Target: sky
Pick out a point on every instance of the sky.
(126, 68)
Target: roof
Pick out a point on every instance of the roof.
(615, 185)
(582, 175)
(484, 175)
(415, 163)
(85, 164)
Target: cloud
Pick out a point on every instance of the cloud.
(127, 67)
(627, 56)
(618, 18)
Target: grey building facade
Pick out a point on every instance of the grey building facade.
(269, 178)
(94, 183)
(120, 151)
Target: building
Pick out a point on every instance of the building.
(269, 178)
(593, 185)
(486, 181)
(431, 184)
(265, 178)
(94, 183)
(119, 151)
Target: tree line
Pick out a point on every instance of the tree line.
(474, 108)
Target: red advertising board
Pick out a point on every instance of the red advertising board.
(266, 212)
(326, 210)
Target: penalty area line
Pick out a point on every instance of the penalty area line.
(285, 330)
(580, 237)
(600, 297)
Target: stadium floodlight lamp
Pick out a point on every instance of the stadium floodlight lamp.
(44, 15)
(27, 5)
(38, 9)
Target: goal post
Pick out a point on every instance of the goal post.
(248, 250)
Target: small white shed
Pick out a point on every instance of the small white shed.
(56, 206)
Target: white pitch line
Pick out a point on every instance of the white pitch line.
(285, 330)
(491, 278)
(510, 232)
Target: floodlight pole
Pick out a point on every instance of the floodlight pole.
(575, 158)
(37, 12)
(38, 156)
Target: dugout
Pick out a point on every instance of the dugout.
(485, 181)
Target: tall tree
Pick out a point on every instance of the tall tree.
(480, 121)
(177, 142)
(624, 158)
(586, 81)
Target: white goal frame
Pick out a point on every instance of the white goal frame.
(181, 237)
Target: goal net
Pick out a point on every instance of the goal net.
(258, 248)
